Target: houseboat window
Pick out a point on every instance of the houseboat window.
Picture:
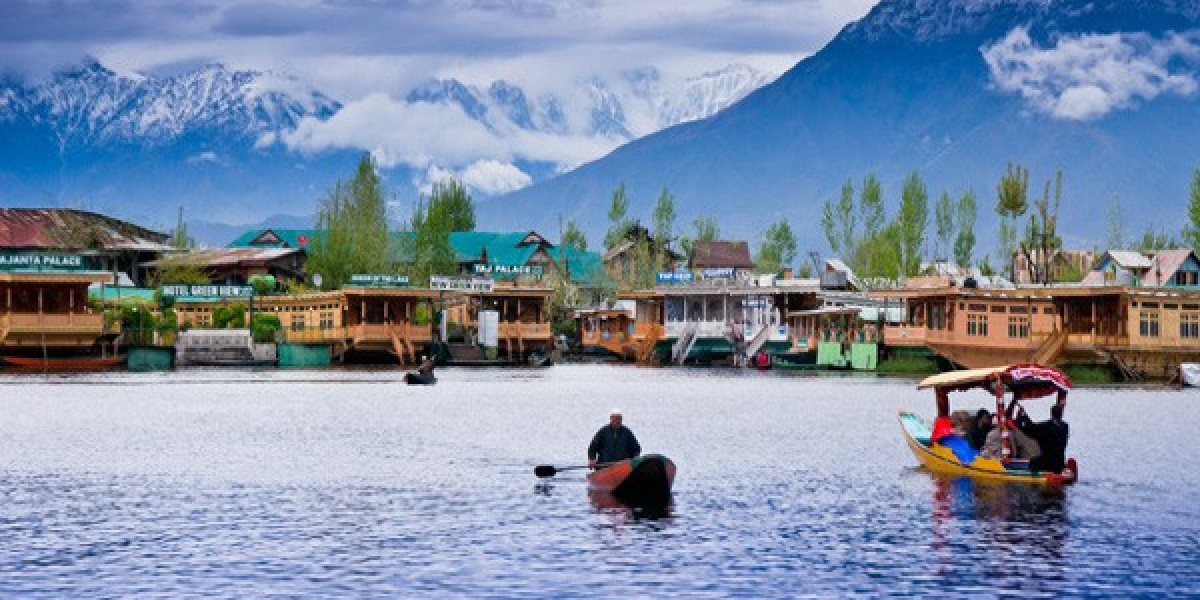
(937, 317)
(960, 306)
(1186, 278)
(297, 322)
(1018, 327)
(1018, 310)
(1170, 307)
(327, 320)
(998, 309)
(1148, 326)
(977, 325)
(1149, 305)
(1189, 325)
(1049, 310)
(1191, 307)
(977, 307)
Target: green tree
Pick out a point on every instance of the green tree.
(707, 230)
(352, 234)
(870, 204)
(618, 220)
(180, 240)
(1011, 203)
(1041, 243)
(1116, 225)
(1156, 240)
(943, 220)
(427, 243)
(778, 249)
(664, 227)
(1191, 230)
(573, 237)
(839, 221)
(451, 204)
(911, 222)
(964, 243)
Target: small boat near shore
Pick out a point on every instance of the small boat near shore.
(951, 455)
(420, 378)
(643, 480)
(89, 363)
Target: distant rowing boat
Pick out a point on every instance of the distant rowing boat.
(65, 364)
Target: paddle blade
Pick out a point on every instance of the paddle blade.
(545, 471)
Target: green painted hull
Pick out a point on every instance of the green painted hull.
(304, 355)
(150, 359)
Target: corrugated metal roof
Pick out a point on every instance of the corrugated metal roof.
(70, 229)
(717, 254)
(1166, 263)
(222, 257)
(1129, 259)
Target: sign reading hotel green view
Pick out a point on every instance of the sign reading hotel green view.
(40, 261)
(460, 284)
(504, 271)
(208, 291)
(379, 280)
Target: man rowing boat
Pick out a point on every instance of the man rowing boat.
(613, 443)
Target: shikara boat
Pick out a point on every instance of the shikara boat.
(88, 363)
(642, 480)
(1024, 382)
(419, 379)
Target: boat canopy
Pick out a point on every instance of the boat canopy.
(1025, 381)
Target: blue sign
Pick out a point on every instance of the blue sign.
(676, 277)
(719, 273)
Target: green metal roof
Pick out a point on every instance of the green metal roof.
(586, 268)
(109, 293)
(287, 238)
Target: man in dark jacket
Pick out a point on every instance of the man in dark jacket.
(1051, 437)
(614, 442)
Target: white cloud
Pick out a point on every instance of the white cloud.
(1086, 77)
(421, 134)
(491, 177)
(207, 156)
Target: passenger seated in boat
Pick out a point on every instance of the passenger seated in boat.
(426, 366)
(981, 425)
(1051, 437)
(613, 443)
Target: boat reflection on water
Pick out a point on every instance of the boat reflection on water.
(1003, 519)
(638, 508)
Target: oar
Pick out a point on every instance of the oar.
(551, 470)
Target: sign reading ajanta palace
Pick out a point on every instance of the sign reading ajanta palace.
(10, 261)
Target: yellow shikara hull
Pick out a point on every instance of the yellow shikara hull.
(942, 460)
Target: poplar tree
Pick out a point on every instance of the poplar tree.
(1011, 203)
(911, 222)
(964, 243)
(1191, 230)
(351, 234)
(943, 219)
(778, 249)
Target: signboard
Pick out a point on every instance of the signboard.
(379, 280)
(756, 303)
(460, 284)
(40, 261)
(208, 291)
(718, 273)
(676, 277)
(509, 270)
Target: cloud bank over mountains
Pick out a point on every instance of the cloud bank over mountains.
(1085, 77)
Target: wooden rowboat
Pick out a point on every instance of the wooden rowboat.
(642, 480)
(88, 363)
(419, 379)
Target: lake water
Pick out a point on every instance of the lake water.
(351, 484)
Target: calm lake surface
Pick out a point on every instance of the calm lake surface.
(351, 484)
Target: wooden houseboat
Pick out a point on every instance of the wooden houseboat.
(522, 327)
(1141, 332)
(46, 318)
(398, 320)
(632, 329)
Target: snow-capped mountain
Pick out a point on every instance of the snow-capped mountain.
(92, 106)
(1106, 90)
(635, 104)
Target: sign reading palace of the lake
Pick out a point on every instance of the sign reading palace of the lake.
(41, 261)
(379, 280)
(208, 291)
